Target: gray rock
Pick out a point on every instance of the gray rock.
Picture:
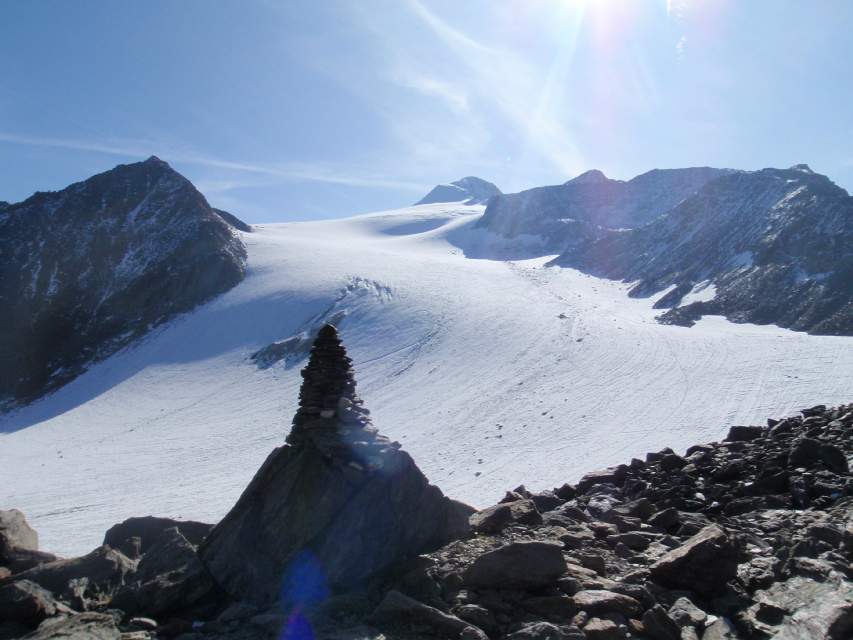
(478, 616)
(83, 626)
(659, 625)
(820, 610)
(18, 559)
(494, 519)
(170, 578)
(611, 475)
(603, 629)
(149, 528)
(16, 533)
(687, 614)
(25, 602)
(600, 601)
(397, 608)
(354, 523)
(632, 540)
(520, 565)
(105, 569)
(704, 564)
(744, 433)
(547, 631)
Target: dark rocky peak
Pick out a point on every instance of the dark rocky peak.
(90, 268)
(593, 176)
(468, 190)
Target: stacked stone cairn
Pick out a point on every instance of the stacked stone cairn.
(331, 417)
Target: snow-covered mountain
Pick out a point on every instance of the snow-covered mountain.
(470, 190)
(87, 270)
(577, 212)
(769, 246)
(489, 372)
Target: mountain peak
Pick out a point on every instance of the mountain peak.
(804, 168)
(469, 190)
(593, 176)
(156, 161)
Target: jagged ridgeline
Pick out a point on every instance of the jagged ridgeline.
(331, 416)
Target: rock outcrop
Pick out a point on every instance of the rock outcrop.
(87, 270)
(470, 190)
(768, 246)
(339, 500)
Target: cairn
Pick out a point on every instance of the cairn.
(331, 417)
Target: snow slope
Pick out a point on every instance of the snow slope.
(491, 373)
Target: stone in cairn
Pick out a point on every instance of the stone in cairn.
(331, 417)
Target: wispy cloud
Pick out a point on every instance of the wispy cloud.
(454, 97)
(514, 88)
(285, 171)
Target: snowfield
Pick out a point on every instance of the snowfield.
(491, 372)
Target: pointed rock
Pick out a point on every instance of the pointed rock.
(335, 507)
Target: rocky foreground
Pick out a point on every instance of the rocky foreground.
(340, 536)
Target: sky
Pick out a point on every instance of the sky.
(281, 111)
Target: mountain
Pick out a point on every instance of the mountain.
(576, 212)
(89, 269)
(233, 220)
(468, 190)
(490, 373)
(769, 246)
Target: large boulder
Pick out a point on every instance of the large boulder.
(25, 602)
(518, 565)
(16, 533)
(104, 568)
(704, 564)
(340, 501)
(170, 578)
(149, 528)
(19, 543)
(494, 519)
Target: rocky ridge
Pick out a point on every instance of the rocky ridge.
(769, 246)
(89, 269)
(340, 536)
(584, 208)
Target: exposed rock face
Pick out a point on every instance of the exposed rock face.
(169, 578)
(468, 190)
(729, 540)
(82, 626)
(581, 210)
(339, 497)
(149, 528)
(16, 533)
(769, 246)
(86, 270)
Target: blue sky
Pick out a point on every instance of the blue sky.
(298, 110)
